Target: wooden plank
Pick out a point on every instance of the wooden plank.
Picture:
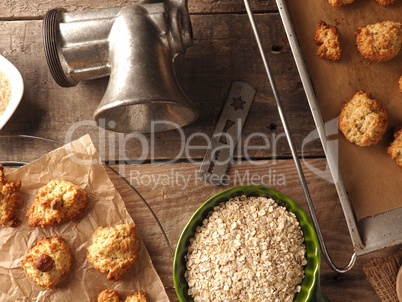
(173, 195)
(37, 9)
(223, 51)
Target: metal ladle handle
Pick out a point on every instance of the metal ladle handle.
(294, 152)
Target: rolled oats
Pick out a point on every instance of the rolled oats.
(247, 249)
(5, 92)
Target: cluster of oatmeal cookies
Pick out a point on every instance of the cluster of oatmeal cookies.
(364, 120)
(113, 250)
(50, 258)
(56, 202)
(379, 42)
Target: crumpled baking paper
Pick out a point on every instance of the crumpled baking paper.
(79, 163)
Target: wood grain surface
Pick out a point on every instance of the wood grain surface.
(180, 192)
(223, 51)
(17, 10)
(174, 196)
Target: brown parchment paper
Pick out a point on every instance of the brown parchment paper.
(79, 163)
(372, 179)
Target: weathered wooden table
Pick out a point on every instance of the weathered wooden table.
(223, 51)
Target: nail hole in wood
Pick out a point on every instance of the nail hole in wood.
(272, 126)
(276, 48)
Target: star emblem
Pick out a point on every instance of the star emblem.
(238, 103)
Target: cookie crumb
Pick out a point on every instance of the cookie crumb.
(327, 37)
(137, 297)
(340, 2)
(109, 295)
(385, 3)
(400, 84)
(395, 148)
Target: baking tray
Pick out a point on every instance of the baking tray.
(370, 233)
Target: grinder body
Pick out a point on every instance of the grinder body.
(135, 46)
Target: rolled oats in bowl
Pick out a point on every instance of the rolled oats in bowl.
(5, 92)
(247, 249)
(248, 243)
(11, 90)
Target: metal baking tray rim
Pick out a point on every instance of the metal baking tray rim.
(369, 234)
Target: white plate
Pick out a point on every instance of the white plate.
(17, 85)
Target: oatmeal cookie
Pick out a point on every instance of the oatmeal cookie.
(363, 120)
(137, 297)
(379, 42)
(109, 295)
(340, 2)
(114, 250)
(395, 149)
(327, 37)
(57, 202)
(400, 84)
(46, 261)
(9, 199)
(385, 2)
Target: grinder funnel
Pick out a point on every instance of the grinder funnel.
(135, 46)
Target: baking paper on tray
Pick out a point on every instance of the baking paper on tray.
(372, 178)
(79, 163)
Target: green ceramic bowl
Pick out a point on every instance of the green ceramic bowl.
(310, 287)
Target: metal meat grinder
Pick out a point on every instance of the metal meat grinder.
(136, 46)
